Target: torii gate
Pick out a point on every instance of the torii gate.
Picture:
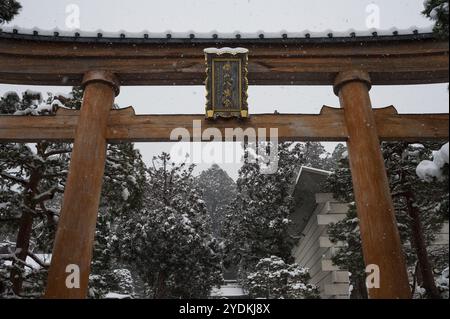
(351, 65)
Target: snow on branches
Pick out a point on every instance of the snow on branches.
(437, 10)
(274, 279)
(434, 170)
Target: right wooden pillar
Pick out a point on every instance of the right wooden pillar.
(379, 234)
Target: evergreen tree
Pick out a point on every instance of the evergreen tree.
(33, 213)
(350, 257)
(339, 153)
(437, 10)
(169, 241)
(257, 221)
(219, 190)
(316, 156)
(420, 212)
(30, 179)
(122, 196)
(274, 279)
(8, 9)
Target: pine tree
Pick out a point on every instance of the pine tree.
(30, 180)
(274, 279)
(169, 241)
(420, 212)
(437, 10)
(8, 9)
(339, 153)
(256, 225)
(219, 190)
(122, 196)
(34, 216)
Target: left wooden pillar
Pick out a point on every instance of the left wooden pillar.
(74, 240)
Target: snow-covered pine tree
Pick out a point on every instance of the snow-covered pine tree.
(121, 194)
(436, 172)
(169, 241)
(437, 10)
(316, 156)
(339, 153)
(421, 203)
(8, 9)
(31, 176)
(420, 212)
(350, 257)
(256, 224)
(122, 197)
(272, 278)
(219, 190)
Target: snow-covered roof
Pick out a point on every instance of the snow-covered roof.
(311, 170)
(214, 34)
(308, 184)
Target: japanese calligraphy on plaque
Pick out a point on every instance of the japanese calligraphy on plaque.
(226, 82)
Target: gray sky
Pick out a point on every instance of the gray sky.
(243, 16)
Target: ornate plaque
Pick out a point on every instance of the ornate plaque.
(226, 82)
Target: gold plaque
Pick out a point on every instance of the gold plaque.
(226, 82)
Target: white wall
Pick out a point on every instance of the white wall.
(314, 250)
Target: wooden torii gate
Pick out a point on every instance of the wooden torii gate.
(351, 65)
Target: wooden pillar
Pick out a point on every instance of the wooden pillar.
(379, 233)
(76, 228)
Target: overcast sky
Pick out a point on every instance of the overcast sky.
(243, 16)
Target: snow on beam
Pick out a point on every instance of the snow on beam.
(214, 34)
(124, 125)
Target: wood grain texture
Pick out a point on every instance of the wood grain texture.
(294, 62)
(124, 125)
(379, 234)
(76, 227)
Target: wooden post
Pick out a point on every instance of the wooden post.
(76, 228)
(379, 233)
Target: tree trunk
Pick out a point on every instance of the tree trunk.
(160, 290)
(359, 290)
(22, 245)
(418, 241)
(24, 234)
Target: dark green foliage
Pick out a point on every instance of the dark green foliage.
(401, 160)
(32, 177)
(272, 278)
(257, 222)
(122, 196)
(219, 190)
(437, 10)
(8, 9)
(48, 167)
(168, 241)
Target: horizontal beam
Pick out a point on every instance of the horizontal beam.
(124, 125)
(389, 60)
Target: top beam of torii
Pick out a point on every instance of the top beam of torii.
(58, 59)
